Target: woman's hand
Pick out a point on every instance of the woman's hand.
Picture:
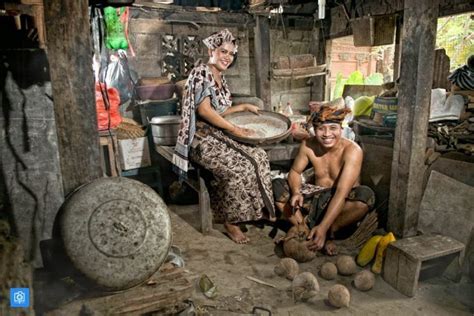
(242, 132)
(250, 108)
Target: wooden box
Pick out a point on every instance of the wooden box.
(406, 259)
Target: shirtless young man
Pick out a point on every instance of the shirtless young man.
(336, 199)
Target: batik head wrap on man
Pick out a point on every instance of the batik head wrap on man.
(328, 114)
(217, 39)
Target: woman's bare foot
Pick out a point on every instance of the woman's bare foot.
(236, 234)
(330, 248)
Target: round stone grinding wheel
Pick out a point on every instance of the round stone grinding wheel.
(116, 231)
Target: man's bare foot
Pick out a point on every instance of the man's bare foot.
(236, 234)
(330, 248)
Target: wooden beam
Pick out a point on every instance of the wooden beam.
(382, 7)
(418, 44)
(70, 59)
(318, 49)
(338, 27)
(396, 54)
(196, 17)
(262, 61)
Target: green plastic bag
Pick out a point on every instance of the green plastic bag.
(363, 106)
(115, 35)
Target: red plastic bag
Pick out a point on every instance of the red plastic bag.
(110, 115)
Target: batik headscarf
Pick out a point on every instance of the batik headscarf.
(328, 114)
(217, 39)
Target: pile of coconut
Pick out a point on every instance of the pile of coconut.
(305, 286)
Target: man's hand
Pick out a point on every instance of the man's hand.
(296, 200)
(318, 238)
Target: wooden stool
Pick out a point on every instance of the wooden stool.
(407, 258)
(109, 147)
(197, 183)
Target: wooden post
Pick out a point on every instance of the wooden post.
(204, 206)
(396, 54)
(318, 49)
(70, 59)
(418, 43)
(262, 61)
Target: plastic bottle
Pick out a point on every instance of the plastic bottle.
(280, 108)
(288, 111)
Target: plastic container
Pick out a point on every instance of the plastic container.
(150, 81)
(155, 92)
(385, 105)
(165, 129)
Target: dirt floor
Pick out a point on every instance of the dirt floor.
(228, 265)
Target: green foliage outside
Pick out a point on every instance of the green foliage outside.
(355, 78)
(456, 35)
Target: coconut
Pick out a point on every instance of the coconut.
(305, 286)
(364, 280)
(328, 271)
(288, 268)
(346, 265)
(295, 244)
(339, 296)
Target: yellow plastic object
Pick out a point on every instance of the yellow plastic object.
(363, 105)
(367, 253)
(381, 247)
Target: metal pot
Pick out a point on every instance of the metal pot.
(165, 129)
(116, 231)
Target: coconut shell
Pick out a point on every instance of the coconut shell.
(296, 246)
(346, 265)
(328, 271)
(288, 268)
(305, 285)
(298, 250)
(364, 280)
(339, 296)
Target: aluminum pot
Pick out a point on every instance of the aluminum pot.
(116, 231)
(165, 129)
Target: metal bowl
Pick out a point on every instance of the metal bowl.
(270, 127)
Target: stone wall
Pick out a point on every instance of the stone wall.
(147, 37)
(147, 33)
(30, 174)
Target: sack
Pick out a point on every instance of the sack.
(107, 117)
(117, 75)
